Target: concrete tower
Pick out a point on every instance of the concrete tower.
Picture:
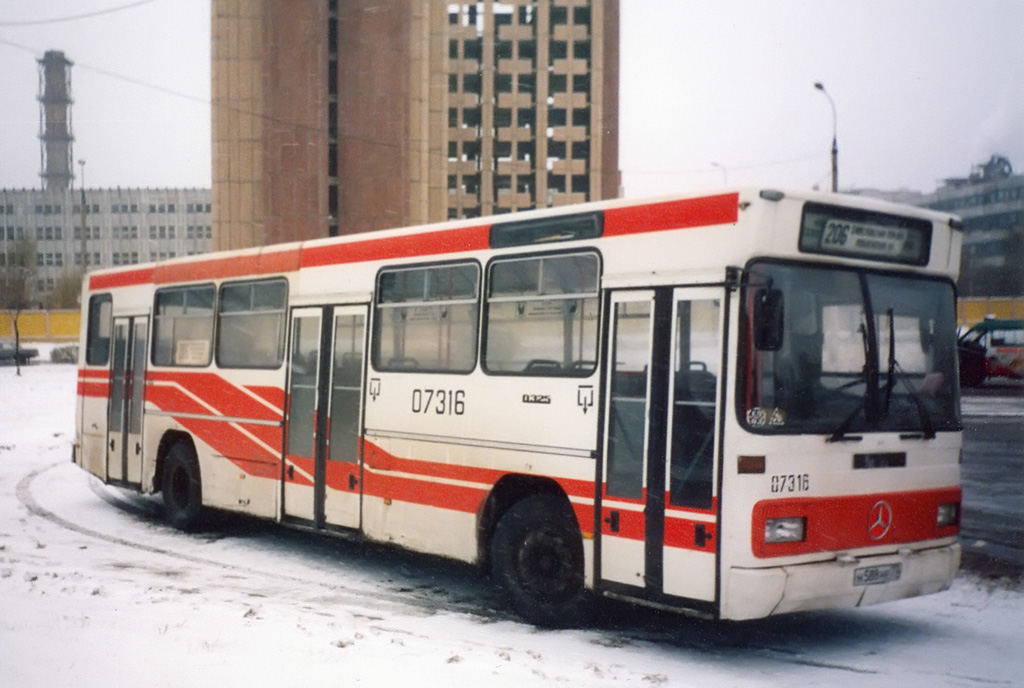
(55, 120)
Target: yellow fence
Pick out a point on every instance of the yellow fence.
(42, 326)
(973, 310)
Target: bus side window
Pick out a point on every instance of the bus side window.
(250, 318)
(183, 326)
(542, 316)
(426, 319)
(97, 343)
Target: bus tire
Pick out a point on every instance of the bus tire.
(182, 488)
(537, 561)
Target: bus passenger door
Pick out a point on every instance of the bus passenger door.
(659, 519)
(691, 513)
(303, 426)
(322, 481)
(627, 414)
(125, 406)
(343, 488)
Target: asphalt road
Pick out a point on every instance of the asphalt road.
(992, 524)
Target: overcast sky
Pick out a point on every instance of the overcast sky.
(710, 91)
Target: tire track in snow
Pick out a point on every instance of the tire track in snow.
(405, 600)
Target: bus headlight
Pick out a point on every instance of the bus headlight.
(947, 514)
(791, 529)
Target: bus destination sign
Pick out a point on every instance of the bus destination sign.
(862, 234)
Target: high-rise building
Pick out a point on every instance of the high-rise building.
(336, 117)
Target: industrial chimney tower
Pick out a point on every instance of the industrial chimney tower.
(55, 120)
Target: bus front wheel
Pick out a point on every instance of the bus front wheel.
(182, 488)
(537, 561)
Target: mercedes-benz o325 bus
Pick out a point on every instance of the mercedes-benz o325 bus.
(732, 405)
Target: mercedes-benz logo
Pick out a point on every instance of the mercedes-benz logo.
(879, 520)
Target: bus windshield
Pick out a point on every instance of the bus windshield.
(839, 351)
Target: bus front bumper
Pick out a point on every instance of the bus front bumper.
(841, 583)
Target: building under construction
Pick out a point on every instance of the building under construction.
(335, 118)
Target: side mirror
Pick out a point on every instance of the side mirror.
(768, 319)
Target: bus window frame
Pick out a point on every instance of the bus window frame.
(745, 341)
(91, 336)
(282, 322)
(375, 322)
(154, 338)
(486, 313)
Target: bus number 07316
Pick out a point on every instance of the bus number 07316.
(791, 483)
(443, 402)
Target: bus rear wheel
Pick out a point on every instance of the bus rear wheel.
(182, 488)
(537, 561)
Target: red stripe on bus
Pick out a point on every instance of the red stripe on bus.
(123, 278)
(226, 398)
(683, 214)
(681, 533)
(423, 492)
(234, 445)
(306, 466)
(273, 395)
(380, 459)
(850, 522)
(266, 262)
(632, 524)
(100, 389)
(457, 240)
(337, 476)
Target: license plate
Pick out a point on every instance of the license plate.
(876, 575)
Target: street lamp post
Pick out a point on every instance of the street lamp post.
(85, 211)
(725, 172)
(835, 148)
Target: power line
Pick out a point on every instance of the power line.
(208, 103)
(730, 168)
(76, 17)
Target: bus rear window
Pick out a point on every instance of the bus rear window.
(183, 326)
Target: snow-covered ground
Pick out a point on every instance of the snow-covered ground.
(96, 591)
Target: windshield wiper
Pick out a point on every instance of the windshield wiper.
(891, 370)
(927, 426)
(840, 433)
(895, 371)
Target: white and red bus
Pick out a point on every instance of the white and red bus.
(732, 405)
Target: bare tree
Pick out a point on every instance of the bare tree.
(68, 291)
(18, 270)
